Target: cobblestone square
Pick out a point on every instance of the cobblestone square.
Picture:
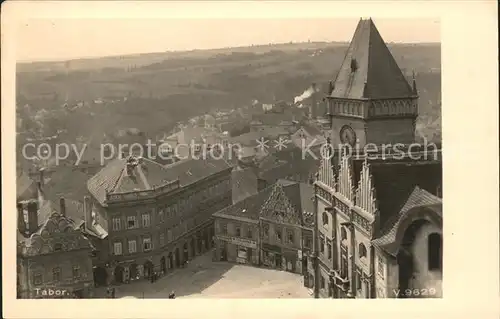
(203, 278)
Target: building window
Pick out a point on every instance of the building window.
(435, 255)
(307, 242)
(343, 235)
(162, 239)
(131, 222)
(117, 248)
(116, 223)
(37, 278)
(329, 247)
(290, 236)
(344, 263)
(56, 274)
(265, 230)
(322, 244)
(76, 271)
(325, 219)
(362, 251)
(132, 246)
(146, 243)
(57, 247)
(169, 236)
(358, 281)
(224, 228)
(238, 231)
(278, 234)
(146, 220)
(161, 216)
(249, 233)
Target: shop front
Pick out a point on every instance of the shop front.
(291, 261)
(272, 256)
(239, 250)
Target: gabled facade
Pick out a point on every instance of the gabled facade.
(54, 260)
(271, 228)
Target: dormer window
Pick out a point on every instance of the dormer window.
(354, 65)
(57, 247)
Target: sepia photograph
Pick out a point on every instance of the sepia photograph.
(274, 170)
(226, 158)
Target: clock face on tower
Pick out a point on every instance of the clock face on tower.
(347, 135)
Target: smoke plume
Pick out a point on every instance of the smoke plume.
(307, 93)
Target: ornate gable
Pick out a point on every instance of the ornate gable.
(278, 207)
(58, 233)
(365, 193)
(326, 174)
(345, 181)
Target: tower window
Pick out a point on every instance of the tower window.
(435, 254)
(325, 219)
(362, 251)
(354, 65)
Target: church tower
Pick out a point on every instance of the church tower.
(370, 100)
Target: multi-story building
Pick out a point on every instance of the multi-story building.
(156, 217)
(378, 224)
(270, 228)
(54, 257)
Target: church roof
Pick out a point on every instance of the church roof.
(369, 69)
(419, 198)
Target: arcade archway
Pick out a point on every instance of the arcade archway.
(100, 276)
(148, 269)
(163, 264)
(119, 274)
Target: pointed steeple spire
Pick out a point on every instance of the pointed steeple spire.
(368, 63)
(414, 86)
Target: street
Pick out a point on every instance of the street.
(202, 278)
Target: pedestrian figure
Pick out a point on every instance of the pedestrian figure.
(113, 291)
(151, 278)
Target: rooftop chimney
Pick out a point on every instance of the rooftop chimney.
(62, 206)
(414, 88)
(32, 217)
(41, 171)
(21, 223)
(87, 211)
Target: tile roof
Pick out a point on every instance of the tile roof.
(307, 136)
(25, 187)
(304, 168)
(249, 207)
(65, 182)
(373, 64)
(395, 183)
(147, 174)
(244, 183)
(419, 198)
(298, 196)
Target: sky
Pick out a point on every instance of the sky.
(42, 39)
